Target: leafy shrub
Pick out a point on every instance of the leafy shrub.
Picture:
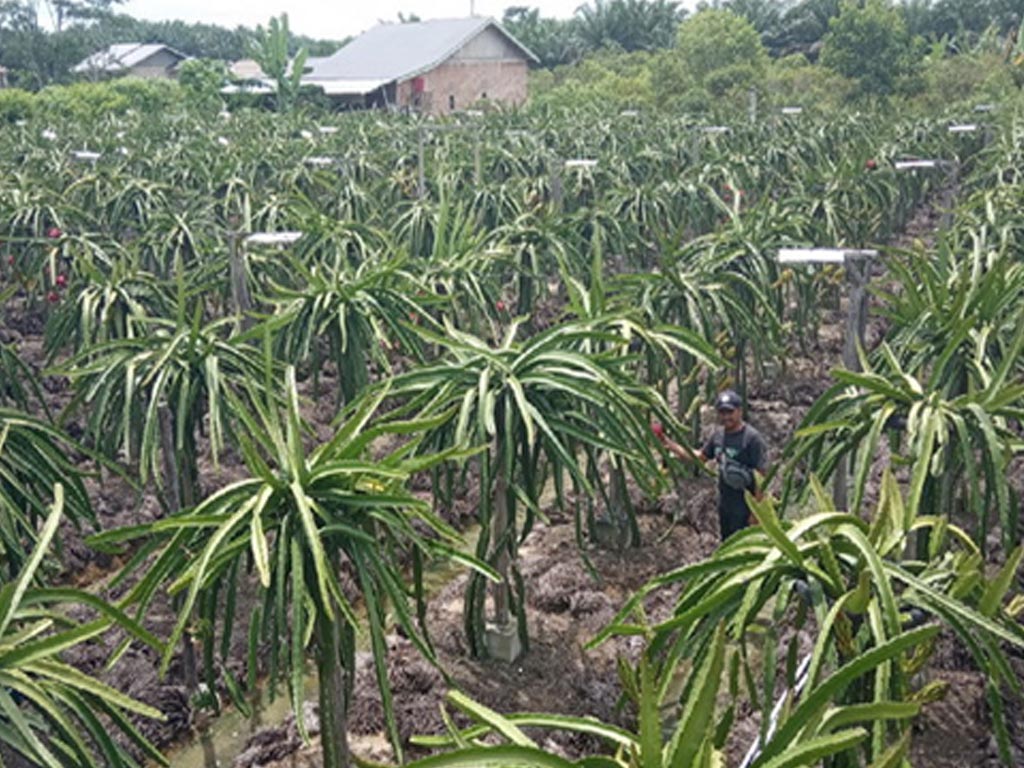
(86, 101)
(982, 77)
(794, 80)
(16, 104)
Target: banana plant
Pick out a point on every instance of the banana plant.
(327, 532)
(51, 713)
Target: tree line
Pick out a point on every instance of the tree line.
(878, 45)
(40, 41)
(785, 26)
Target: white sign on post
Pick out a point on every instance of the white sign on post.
(86, 156)
(792, 110)
(909, 165)
(963, 128)
(715, 129)
(822, 255)
(279, 239)
(319, 162)
(580, 163)
(985, 108)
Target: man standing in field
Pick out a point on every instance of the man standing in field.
(739, 450)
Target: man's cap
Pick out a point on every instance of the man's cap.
(728, 400)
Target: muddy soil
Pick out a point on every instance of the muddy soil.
(566, 604)
(566, 607)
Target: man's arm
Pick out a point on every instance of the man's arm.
(682, 453)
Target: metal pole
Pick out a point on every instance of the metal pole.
(858, 271)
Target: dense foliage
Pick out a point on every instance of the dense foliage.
(503, 311)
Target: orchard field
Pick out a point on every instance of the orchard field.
(302, 408)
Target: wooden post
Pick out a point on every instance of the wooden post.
(239, 280)
(858, 273)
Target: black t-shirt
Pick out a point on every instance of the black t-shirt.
(745, 446)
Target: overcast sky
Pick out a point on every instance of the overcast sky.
(328, 20)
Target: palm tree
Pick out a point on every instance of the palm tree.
(632, 25)
(324, 531)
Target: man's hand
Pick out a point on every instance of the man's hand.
(676, 449)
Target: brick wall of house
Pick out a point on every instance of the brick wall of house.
(457, 85)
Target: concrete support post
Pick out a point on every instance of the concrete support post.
(174, 497)
(239, 280)
(421, 179)
(502, 636)
(858, 274)
(478, 165)
(557, 189)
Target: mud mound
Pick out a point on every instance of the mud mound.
(557, 587)
(417, 688)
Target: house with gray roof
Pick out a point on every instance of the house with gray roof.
(435, 67)
(135, 59)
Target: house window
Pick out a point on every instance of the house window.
(483, 95)
(451, 102)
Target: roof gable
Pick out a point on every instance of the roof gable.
(390, 52)
(120, 56)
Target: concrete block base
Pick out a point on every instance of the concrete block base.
(503, 642)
